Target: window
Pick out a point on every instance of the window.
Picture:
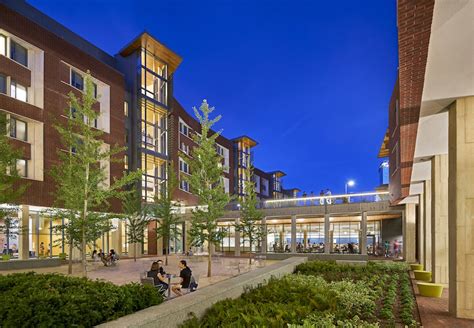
(185, 148)
(94, 89)
(125, 162)
(3, 84)
(18, 91)
(3, 45)
(18, 129)
(18, 53)
(183, 166)
(77, 81)
(184, 129)
(21, 167)
(184, 185)
(125, 108)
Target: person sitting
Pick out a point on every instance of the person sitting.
(185, 275)
(158, 274)
(287, 248)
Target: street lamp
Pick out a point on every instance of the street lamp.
(349, 183)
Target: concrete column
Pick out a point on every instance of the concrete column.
(293, 234)
(420, 236)
(363, 240)
(439, 219)
(23, 233)
(159, 247)
(327, 242)
(461, 208)
(264, 238)
(116, 238)
(409, 233)
(237, 240)
(427, 225)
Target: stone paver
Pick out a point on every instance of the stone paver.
(434, 312)
(127, 270)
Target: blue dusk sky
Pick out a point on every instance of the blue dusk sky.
(310, 80)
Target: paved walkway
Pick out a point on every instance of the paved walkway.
(434, 311)
(127, 270)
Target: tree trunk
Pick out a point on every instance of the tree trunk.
(69, 266)
(167, 250)
(209, 260)
(250, 252)
(135, 252)
(84, 218)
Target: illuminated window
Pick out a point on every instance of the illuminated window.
(18, 53)
(154, 133)
(154, 77)
(125, 162)
(18, 91)
(18, 129)
(22, 167)
(77, 81)
(3, 45)
(125, 108)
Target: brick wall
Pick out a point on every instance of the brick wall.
(56, 51)
(414, 28)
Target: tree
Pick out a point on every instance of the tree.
(164, 210)
(137, 220)
(82, 185)
(207, 184)
(10, 189)
(250, 216)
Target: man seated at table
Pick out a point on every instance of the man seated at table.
(185, 275)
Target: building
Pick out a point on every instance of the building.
(41, 61)
(430, 142)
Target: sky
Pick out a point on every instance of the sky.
(310, 80)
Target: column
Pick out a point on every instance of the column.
(439, 219)
(237, 240)
(116, 236)
(409, 233)
(264, 237)
(363, 241)
(427, 225)
(461, 208)
(327, 241)
(420, 236)
(293, 233)
(23, 233)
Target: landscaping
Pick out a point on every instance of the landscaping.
(53, 300)
(322, 294)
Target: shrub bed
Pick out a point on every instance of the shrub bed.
(52, 300)
(321, 294)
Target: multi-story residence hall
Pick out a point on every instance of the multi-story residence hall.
(430, 141)
(41, 61)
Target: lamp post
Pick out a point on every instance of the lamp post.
(349, 183)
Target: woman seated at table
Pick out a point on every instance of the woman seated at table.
(158, 274)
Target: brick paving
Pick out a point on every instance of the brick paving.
(434, 312)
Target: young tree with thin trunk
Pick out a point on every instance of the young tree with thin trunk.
(10, 189)
(164, 210)
(249, 227)
(207, 184)
(137, 220)
(82, 184)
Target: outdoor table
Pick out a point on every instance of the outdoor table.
(169, 276)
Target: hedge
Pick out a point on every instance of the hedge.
(53, 300)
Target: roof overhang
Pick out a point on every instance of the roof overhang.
(384, 150)
(247, 140)
(147, 41)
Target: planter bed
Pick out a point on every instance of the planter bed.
(322, 294)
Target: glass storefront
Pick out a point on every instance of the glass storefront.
(279, 236)
(345, 237)
(310, 237)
